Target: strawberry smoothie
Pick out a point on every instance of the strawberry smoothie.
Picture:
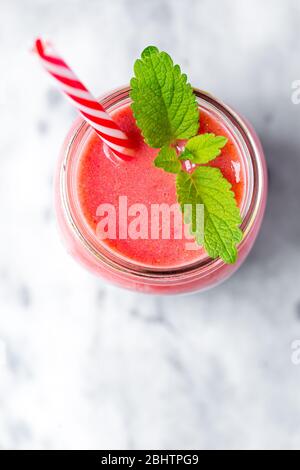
(89, 175)
(102, 180)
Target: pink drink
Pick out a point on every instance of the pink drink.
(89, 178)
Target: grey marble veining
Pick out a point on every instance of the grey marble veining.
(86, 365)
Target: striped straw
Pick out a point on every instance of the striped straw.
(89, 108)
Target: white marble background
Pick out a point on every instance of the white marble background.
(85, 365)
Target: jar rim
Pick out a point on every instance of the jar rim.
(116, 261)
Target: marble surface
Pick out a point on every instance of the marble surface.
(86, 365)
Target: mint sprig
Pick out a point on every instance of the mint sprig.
(203, 148)
(164, 105)
(166, 111)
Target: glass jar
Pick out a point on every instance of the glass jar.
(196, 276)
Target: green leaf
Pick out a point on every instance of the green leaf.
(167, 159)
(149, 50)
(207, 186)
(203, 148)
(164, 105)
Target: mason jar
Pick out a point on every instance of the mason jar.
(202, 274)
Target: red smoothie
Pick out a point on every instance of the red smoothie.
(87, 178)
(101, 180)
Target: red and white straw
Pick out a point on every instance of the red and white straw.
(90, 109)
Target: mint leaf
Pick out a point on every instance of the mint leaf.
(167, 159)
(164, 105)
(203, 148)
(149, 50)
(207, 186)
